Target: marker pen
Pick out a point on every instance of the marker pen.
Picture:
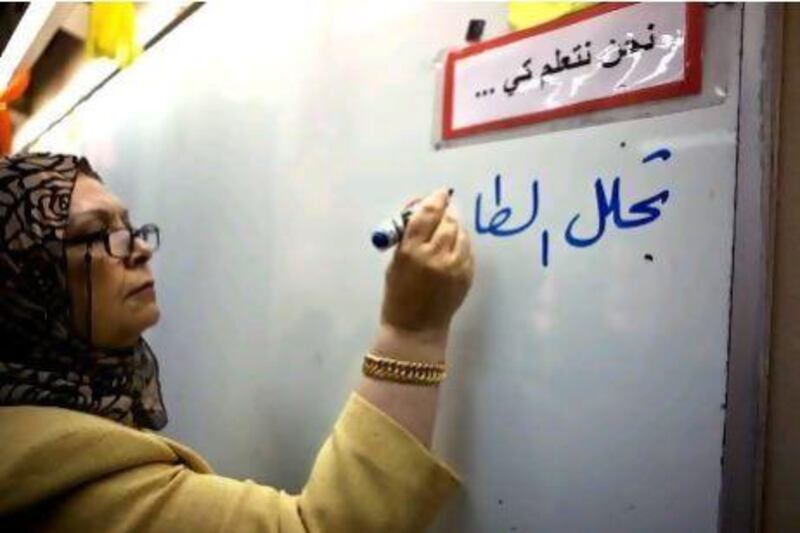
(390, 232)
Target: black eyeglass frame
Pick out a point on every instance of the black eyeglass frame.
(105, 236)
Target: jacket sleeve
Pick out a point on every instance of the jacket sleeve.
(370, 475)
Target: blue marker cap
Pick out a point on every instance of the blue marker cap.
(380, 240)
(391, 231)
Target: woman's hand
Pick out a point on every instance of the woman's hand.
(426, 282)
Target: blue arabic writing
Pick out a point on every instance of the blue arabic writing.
(613, 207)
(498, 220)
(609, 206)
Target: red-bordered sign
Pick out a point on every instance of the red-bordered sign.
(689, 83)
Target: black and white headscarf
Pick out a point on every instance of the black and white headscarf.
(42, 360)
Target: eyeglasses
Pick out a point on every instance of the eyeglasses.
(120, 243)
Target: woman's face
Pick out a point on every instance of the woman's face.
(123, 294)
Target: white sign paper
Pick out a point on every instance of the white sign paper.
(614, 55)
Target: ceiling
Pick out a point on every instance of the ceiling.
(10, 14)
(57, 50)
(52, 57)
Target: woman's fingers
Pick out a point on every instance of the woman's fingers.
(426, 219)
(462, 248)
(445, 235)
(427, 280)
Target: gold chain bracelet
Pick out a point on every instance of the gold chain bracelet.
(390, 369)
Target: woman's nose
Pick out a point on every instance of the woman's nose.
(141, 253)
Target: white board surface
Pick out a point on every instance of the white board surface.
(583, 396)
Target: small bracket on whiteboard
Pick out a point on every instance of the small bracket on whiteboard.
(475, 30)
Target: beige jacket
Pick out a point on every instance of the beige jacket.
(62, 470)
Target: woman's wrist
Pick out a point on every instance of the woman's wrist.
(426, 346)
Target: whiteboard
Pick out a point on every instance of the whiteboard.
(587, 395)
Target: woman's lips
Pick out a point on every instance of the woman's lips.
(144, 288)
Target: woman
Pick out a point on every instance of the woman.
(80, 393)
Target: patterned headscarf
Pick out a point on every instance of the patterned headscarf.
(42, 359)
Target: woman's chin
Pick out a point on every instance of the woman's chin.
(152, 315)
(145, 317)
